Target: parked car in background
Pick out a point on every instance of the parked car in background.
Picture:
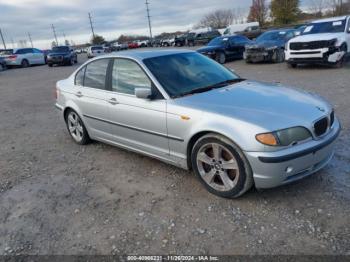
(23, 57)
(156, 43)
(202, 38)
(180, 40)
(325, 41)
(142, 43)
(251, 32)
(132, 45)
(192, 112)
(62, 55)
(168, 42)
(94, 51)
(225, 48)
(269, 47)
(239, 28)
(2, 63)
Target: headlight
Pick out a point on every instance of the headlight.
(284, 137)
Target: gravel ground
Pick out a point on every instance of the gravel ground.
(60, 198)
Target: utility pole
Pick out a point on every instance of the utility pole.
(92, 28)
(149, 20)
(54, 33)
(30, 39)
(2, 37)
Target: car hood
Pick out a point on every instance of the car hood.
(265, 44)
(209, 48)
(316, 37)
(269, 106)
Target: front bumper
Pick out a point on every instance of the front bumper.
(272, 169)
(258, 56)
(314, 56)
(58, 60)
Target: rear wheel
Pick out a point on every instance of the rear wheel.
(76, 128)
(50, 65)
(221, 166)
(24, 63)
(2, 67)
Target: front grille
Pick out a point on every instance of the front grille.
(321, 126)
(310, 45)
(57, 58)
(255, 50)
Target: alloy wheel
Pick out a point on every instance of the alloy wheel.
(218, 167)
(75, 126)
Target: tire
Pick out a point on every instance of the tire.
(71, 62)
(229, 181)
(76, 128)
(278, 56)
(292, 65)
(220, 58)
(24, 63)
(2, 67)
(50, 65)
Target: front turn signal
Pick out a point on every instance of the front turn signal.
(267, 139)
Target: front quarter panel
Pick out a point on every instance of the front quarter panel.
(185, 123)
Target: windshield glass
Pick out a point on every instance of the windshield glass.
(325, 27)
(184, 73)
(60, 49)
(6, 52)
(97, 48)
(272, 36)
(218, 41)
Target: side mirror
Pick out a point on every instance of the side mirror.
(143, 93)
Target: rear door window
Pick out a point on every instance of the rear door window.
(96, 73)
(79, 77)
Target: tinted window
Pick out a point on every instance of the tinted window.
(21, 51)
(60, 49)
(127, 75)
(325, 27)
(183, 73)
(97, 48)
(239, 40)
(37, 51)
(95, 74)
(79, 77)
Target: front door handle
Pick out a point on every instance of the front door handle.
(113, 101)
(78, 94)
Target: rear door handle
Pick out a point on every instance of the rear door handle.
(78, 94)
(113, 101)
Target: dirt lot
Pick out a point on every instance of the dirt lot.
(60, 198)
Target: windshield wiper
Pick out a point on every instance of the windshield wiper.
(211, 87)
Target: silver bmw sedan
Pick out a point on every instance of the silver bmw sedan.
(187, 110)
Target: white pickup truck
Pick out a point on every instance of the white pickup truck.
(325, 41)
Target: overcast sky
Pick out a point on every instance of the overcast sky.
(110, 17)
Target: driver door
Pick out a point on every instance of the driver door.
(137, 123)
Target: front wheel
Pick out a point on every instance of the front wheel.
(221, 58)
(221, 166)
(76, 128)
(292, 65)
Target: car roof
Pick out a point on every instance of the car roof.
(331, 19)
(140, 55)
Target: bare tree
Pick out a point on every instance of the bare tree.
(318, 7)
(338, 7)
(217, 19)
(258, 12)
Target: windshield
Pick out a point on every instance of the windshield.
(181, 74)
(97, 48)
(60, 49)
(6, 52)
(325, 27)
(272, 36)
(218, 41)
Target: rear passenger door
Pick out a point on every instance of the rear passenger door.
(90, 96)
(30, 55)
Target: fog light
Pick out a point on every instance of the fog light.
(289, 170)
